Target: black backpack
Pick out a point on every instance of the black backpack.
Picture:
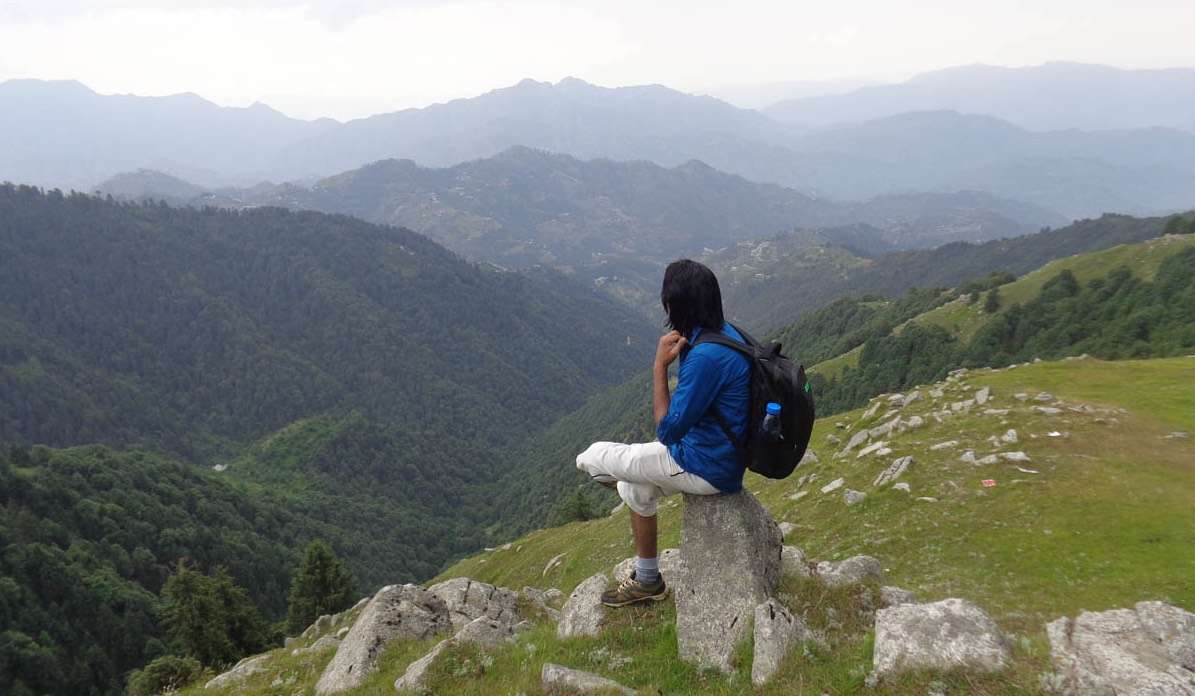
(774, 378)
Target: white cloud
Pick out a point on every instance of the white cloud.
(352, 57)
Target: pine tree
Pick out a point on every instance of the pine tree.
(210, 618)
(321, 586)
(992, 304)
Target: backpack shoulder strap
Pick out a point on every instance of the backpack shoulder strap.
(721, 339)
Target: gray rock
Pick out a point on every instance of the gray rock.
(1047, 410)
(912, 423)
(583, 613)
(988, 460)
(396, 611)
(982, 396)
(1148, 650)
(731, 550)
(486, 632)
(1044, 397)
(776, 630)
(415, 678)
(902, 486)
(942, 636)
(323, 643)
(892, 596)
(943, 445)
(798, 495)
(239, 673)
(786, 528)
(872, 449)
(468, 600)
(893, 472)
(911, 397)
(936, 393)
(794, 562)
(856, 440)
(853, 497)
(833, 485)
(810, 457)
(850, 571)
(1010, 437)
(1014, 456)
(885, 428)
(558, 679)
(318, 627)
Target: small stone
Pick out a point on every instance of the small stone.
(911, 398)
(1021, 396)
(555, 678)
(853, 497)
(912, 423)
(936, 393)
(943, 445)
(1178, 436)
(1047, 410)
(833, 485)
(853, 570)
(871, 449)
(810, 457)
(798, 495)
(1044, 397)
(893, 472)
(902, 486)
(555, 561)
(1014, 456)
(892, 596)
(987, 461)
(981, 396)
(1010, 437)
(927, 499)
(995, 412)
(582, 614)
(415, 676)
(968, 457)
(786, 528)
(794, 562)
(240, 672)
(856, 440)
(776, 629)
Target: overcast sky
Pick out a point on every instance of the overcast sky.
(349, 58)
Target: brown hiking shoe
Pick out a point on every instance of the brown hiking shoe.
(631, 591)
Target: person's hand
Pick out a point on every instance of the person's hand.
(669, 347)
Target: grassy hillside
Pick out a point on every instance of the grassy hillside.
(963, 318)
(1099, 517)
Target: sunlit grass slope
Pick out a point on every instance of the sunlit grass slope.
(1102, 516)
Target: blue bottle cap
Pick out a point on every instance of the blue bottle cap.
(773, 408)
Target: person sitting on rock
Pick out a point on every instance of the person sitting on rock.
(692, 454)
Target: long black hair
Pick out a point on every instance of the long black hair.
(691, 297)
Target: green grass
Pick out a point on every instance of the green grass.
(833, 368)
(1108, 521)
(964, 319)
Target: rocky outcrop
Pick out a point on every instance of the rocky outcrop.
(776, 630)
(323, 643)
(892, 596)
(853, 570)
(583, 612)
(893, 472)
(468, 600)
(1147, 650)
(730, 549)
(942, 636)
(239, 673)
(396, 611)
(558, 679)
(544, 600)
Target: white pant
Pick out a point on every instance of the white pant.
(645, 473)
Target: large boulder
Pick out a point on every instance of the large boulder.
(557, 679)
(776, 630)
(946, 635)
(468, 600)
(730, 551)
(1147, 650)
(583, 612)
(396, 611)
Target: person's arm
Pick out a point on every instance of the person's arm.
(698, 382)
(669, 347)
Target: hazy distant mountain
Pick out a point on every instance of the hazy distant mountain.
(757, 95)
(649, 122)
(1078, 173)
(1053, 96)
(60, 133)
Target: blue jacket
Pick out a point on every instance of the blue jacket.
(708, 375)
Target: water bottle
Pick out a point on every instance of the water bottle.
(771, 423)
